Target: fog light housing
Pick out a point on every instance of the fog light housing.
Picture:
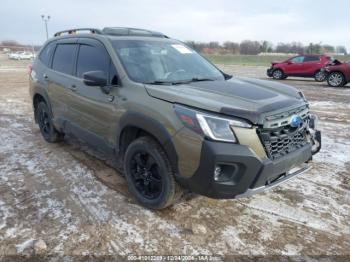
(225, 173)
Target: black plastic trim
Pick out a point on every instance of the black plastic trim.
(252, 171)
(151, 126)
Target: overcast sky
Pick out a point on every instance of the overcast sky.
(205, 20)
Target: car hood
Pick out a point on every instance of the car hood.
(241, 97)
(277, 62)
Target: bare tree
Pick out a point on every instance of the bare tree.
(231, 47)
(248, 47)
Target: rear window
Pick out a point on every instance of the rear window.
(311, 58)
(46, 53)
(92, 58)
(63, 59)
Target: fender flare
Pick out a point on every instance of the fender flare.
(43, 93)
(151, 126)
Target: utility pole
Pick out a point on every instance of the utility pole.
(46, 20)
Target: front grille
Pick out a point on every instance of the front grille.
(282, 141)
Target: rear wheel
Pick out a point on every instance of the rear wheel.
(319, 76)
(278, 74)
(149, 174)
(47, 129)
(336, 79)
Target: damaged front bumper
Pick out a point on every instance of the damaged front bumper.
(269, 72)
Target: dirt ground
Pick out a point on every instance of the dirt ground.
(68, 196)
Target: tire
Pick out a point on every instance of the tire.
(319, 76)
(149, 175)
(278, 74)
(336, 79)
(47, 129)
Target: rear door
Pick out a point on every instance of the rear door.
(311, 64)
(93, 110)
(60, 78)
(295, 66)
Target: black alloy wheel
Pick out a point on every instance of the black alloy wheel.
(149, 174)
(145, 175)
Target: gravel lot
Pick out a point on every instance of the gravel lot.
(68, 195)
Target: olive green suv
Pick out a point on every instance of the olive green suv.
(170, 118)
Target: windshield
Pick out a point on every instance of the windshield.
(163, 62)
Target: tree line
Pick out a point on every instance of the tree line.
(16, 46)
(246, 47)
(249, 47)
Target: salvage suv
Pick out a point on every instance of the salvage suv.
(301, 66)
(169, 118)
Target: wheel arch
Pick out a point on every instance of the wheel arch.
(279, 68)
(133, 125)
(337, 71)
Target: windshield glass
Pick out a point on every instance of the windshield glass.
(163, 62)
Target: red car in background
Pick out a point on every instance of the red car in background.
(337, 73)
(302, 66)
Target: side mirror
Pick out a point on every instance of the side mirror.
(289, 62)
(95, 78)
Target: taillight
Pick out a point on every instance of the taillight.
(30, 69)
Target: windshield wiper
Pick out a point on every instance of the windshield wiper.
(195, 79)
(158, 82)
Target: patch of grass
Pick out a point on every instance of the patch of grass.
(253, 60)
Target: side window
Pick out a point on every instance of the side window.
(311, 58)
(46, 53)
(92, 58)
(113, 75)
(297, 60)
(64, 57)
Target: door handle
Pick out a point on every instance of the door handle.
(45, 76)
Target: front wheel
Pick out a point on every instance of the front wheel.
(278, 74)
(336, 79)
(149, 174)
(320, 76)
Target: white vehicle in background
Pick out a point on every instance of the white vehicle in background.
(6, 50)
(22, 55)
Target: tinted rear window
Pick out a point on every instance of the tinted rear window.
(64, 58)
(92, 58)
(311, 58)
(46, 53)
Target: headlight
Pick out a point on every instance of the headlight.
(214, 127)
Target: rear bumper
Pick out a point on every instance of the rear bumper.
(247, 173)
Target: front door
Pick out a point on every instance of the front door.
(92, 110)
(295, 66)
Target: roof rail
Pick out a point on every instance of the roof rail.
(115, 31)
(127, 31)
(74, 31)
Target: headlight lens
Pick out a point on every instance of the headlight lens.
(214, 127)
